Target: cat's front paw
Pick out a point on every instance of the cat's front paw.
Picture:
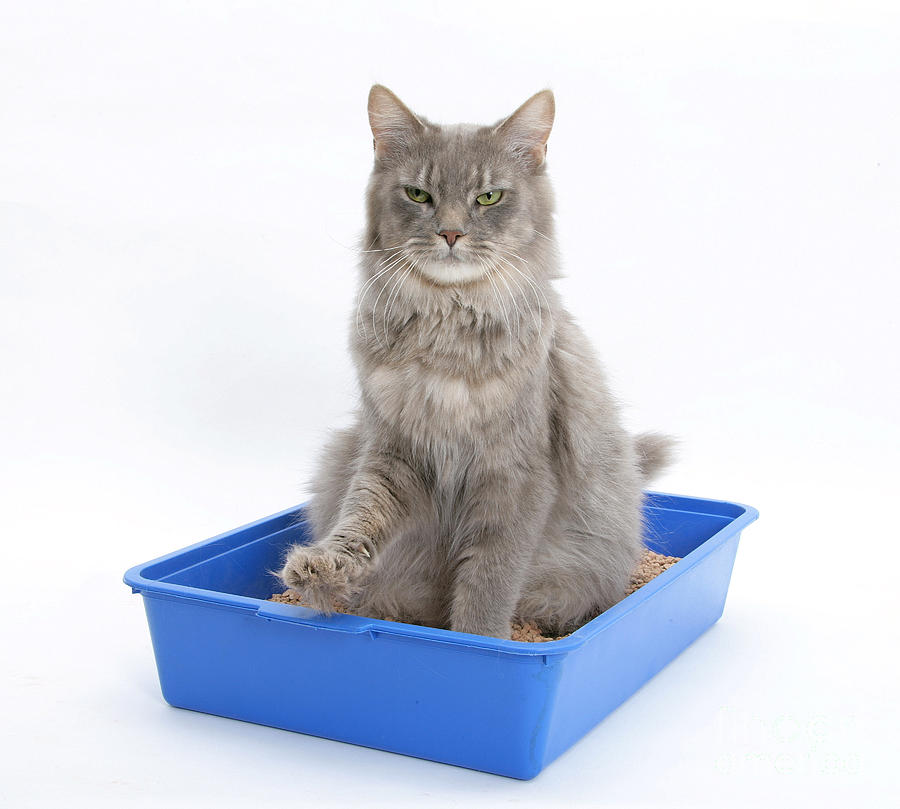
(321, 573)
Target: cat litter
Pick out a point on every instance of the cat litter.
(502, 706)
(649, 566)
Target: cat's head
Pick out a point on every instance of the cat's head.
(460, 203)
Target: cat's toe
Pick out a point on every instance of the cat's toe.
(320, 575)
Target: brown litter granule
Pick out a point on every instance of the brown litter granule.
(649, 567)
(292, 597)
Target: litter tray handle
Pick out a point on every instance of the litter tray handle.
(304, 616)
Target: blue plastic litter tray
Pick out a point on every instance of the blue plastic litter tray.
(501, 706)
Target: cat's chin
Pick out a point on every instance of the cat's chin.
(452, 272)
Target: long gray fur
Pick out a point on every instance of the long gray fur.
(487, 476)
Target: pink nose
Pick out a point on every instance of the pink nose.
(451, 235)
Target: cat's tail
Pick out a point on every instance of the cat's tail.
(654, 453)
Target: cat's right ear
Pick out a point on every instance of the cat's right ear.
(393, 125)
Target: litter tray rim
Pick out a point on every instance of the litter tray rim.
(134, 577)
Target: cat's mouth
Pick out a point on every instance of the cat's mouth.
(452, 269)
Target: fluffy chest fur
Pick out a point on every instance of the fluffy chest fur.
(452, 374)
(429, 402)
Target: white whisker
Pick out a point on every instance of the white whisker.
(389, 303)
(367, 250)
(380, 293)
(516, 255)
(391, 262)
(535, 288)
(362, 294)
(538, 319)
(386, 263)
(381, 249)
(507, 249)
(512, 299)
(524, 297)
(499, 301)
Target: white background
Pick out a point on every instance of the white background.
(180, 184)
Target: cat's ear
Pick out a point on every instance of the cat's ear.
(393, 125)
(526, 131)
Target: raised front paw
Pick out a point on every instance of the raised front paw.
(321, 573)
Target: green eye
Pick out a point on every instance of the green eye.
(489, 197)
(417, 194)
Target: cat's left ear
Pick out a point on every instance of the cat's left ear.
(393, 124)
(527, 130)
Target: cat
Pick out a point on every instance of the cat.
(487, 476)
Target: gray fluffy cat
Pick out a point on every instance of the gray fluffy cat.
(487, 475)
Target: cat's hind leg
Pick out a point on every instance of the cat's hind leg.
(573, 577)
